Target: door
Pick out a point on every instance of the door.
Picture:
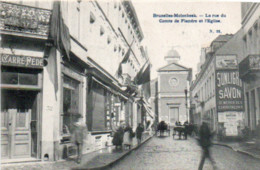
(174, 115)
(15, 124)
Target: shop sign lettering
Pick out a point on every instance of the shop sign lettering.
(21, 61)
(229, 91)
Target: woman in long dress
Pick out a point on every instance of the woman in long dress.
(128, 136)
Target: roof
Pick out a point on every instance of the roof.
(173, 67)
(222, 38)
(233, 46)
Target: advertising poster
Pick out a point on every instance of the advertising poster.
(229, 91)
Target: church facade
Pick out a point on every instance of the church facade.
(173, 94)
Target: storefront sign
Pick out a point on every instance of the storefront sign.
(229, 91)
(21, 61)
(226, 61)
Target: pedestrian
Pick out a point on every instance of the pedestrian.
(205, 137)
(186, 129)
(128, 135)
(118, 137)
(139, 131)
(257, 130)
(78, 135)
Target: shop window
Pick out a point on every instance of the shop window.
(27, 79)
(18, 77)
(70, 103)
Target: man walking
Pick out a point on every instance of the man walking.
(139, 130)
(79, 133)
(205, 142)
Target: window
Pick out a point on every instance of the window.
(108, 40)
(70, 103)
(92, 18)
(18, 76)
(102, 31)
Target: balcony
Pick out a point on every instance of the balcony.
(23, 20)
(249, 68)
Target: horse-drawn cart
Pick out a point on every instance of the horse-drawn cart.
(179, 130)
(163, 128)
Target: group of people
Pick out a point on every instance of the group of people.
(186, 129)
(123, 137)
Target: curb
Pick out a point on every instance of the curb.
(120, 158)
(237, 150)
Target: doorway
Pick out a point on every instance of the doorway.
(18, 124)
(174, 115)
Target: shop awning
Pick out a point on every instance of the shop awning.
(148, 108)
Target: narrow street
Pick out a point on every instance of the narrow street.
(166, 153)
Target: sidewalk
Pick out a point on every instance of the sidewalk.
(246, 147)
(100, 159)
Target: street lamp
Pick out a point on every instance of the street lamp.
(196, 97)
(186, 102)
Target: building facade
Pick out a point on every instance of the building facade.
(217, 91)
(249, 62)
(173, 80)
(46, 84)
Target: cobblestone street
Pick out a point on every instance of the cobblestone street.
(166, 153)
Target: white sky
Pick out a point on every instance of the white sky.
(187, 38)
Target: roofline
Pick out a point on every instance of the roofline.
(159, 70)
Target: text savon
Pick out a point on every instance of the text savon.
(229, 85)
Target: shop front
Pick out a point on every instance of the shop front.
(249, 72)
(106, 111)
(21, 90)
